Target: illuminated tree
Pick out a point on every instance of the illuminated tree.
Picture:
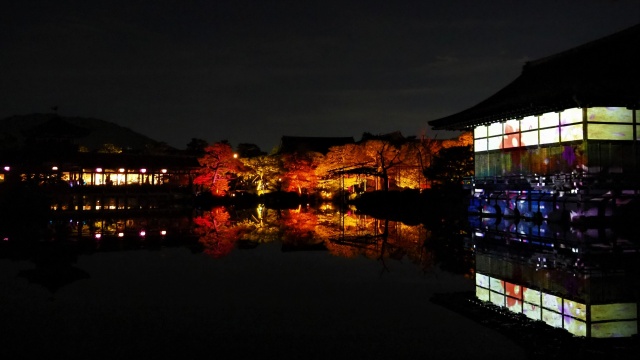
(337, 160)
(262, 171)
(218, 164)
(384, 155)
(299, 171)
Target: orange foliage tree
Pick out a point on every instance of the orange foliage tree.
(300, 171)
(218, 164)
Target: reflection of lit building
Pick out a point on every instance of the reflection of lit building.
(584, 282)
(567, 125)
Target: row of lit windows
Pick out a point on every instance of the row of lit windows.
(112, 178)
(99, 176)
(603, 124)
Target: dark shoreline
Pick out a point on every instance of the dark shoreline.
(538, 339)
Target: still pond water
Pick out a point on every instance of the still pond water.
(260, 283)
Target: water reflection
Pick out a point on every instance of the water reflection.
(346, 234)
(582, 280)
(53, 245)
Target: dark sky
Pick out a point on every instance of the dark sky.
(253, 71)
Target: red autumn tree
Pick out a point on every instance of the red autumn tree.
(300, 174)
(218, 165)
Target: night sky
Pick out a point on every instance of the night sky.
(253, 71)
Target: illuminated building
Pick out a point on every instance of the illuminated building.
(567, 128)
(53, 156)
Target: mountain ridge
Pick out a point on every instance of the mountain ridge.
(100, 132)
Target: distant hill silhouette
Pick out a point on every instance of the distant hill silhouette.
(95, 133)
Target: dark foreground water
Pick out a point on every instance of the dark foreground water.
(172, 302)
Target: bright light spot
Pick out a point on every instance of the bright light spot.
(143, 233)
(235, 156)
(121, 169)
(7, 168)
(54, 168)
(120, 234)
(164, 171)
(98, 169)
(163, 232)
(98, 236)
(143, 170)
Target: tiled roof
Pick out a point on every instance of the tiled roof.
(604, 72)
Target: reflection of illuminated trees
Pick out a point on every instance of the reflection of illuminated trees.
(260, 225)
(217, 235)
(343, 234)
(299, 227)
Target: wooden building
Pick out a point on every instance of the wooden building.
(567, 128)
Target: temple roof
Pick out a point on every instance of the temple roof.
(604, 72)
